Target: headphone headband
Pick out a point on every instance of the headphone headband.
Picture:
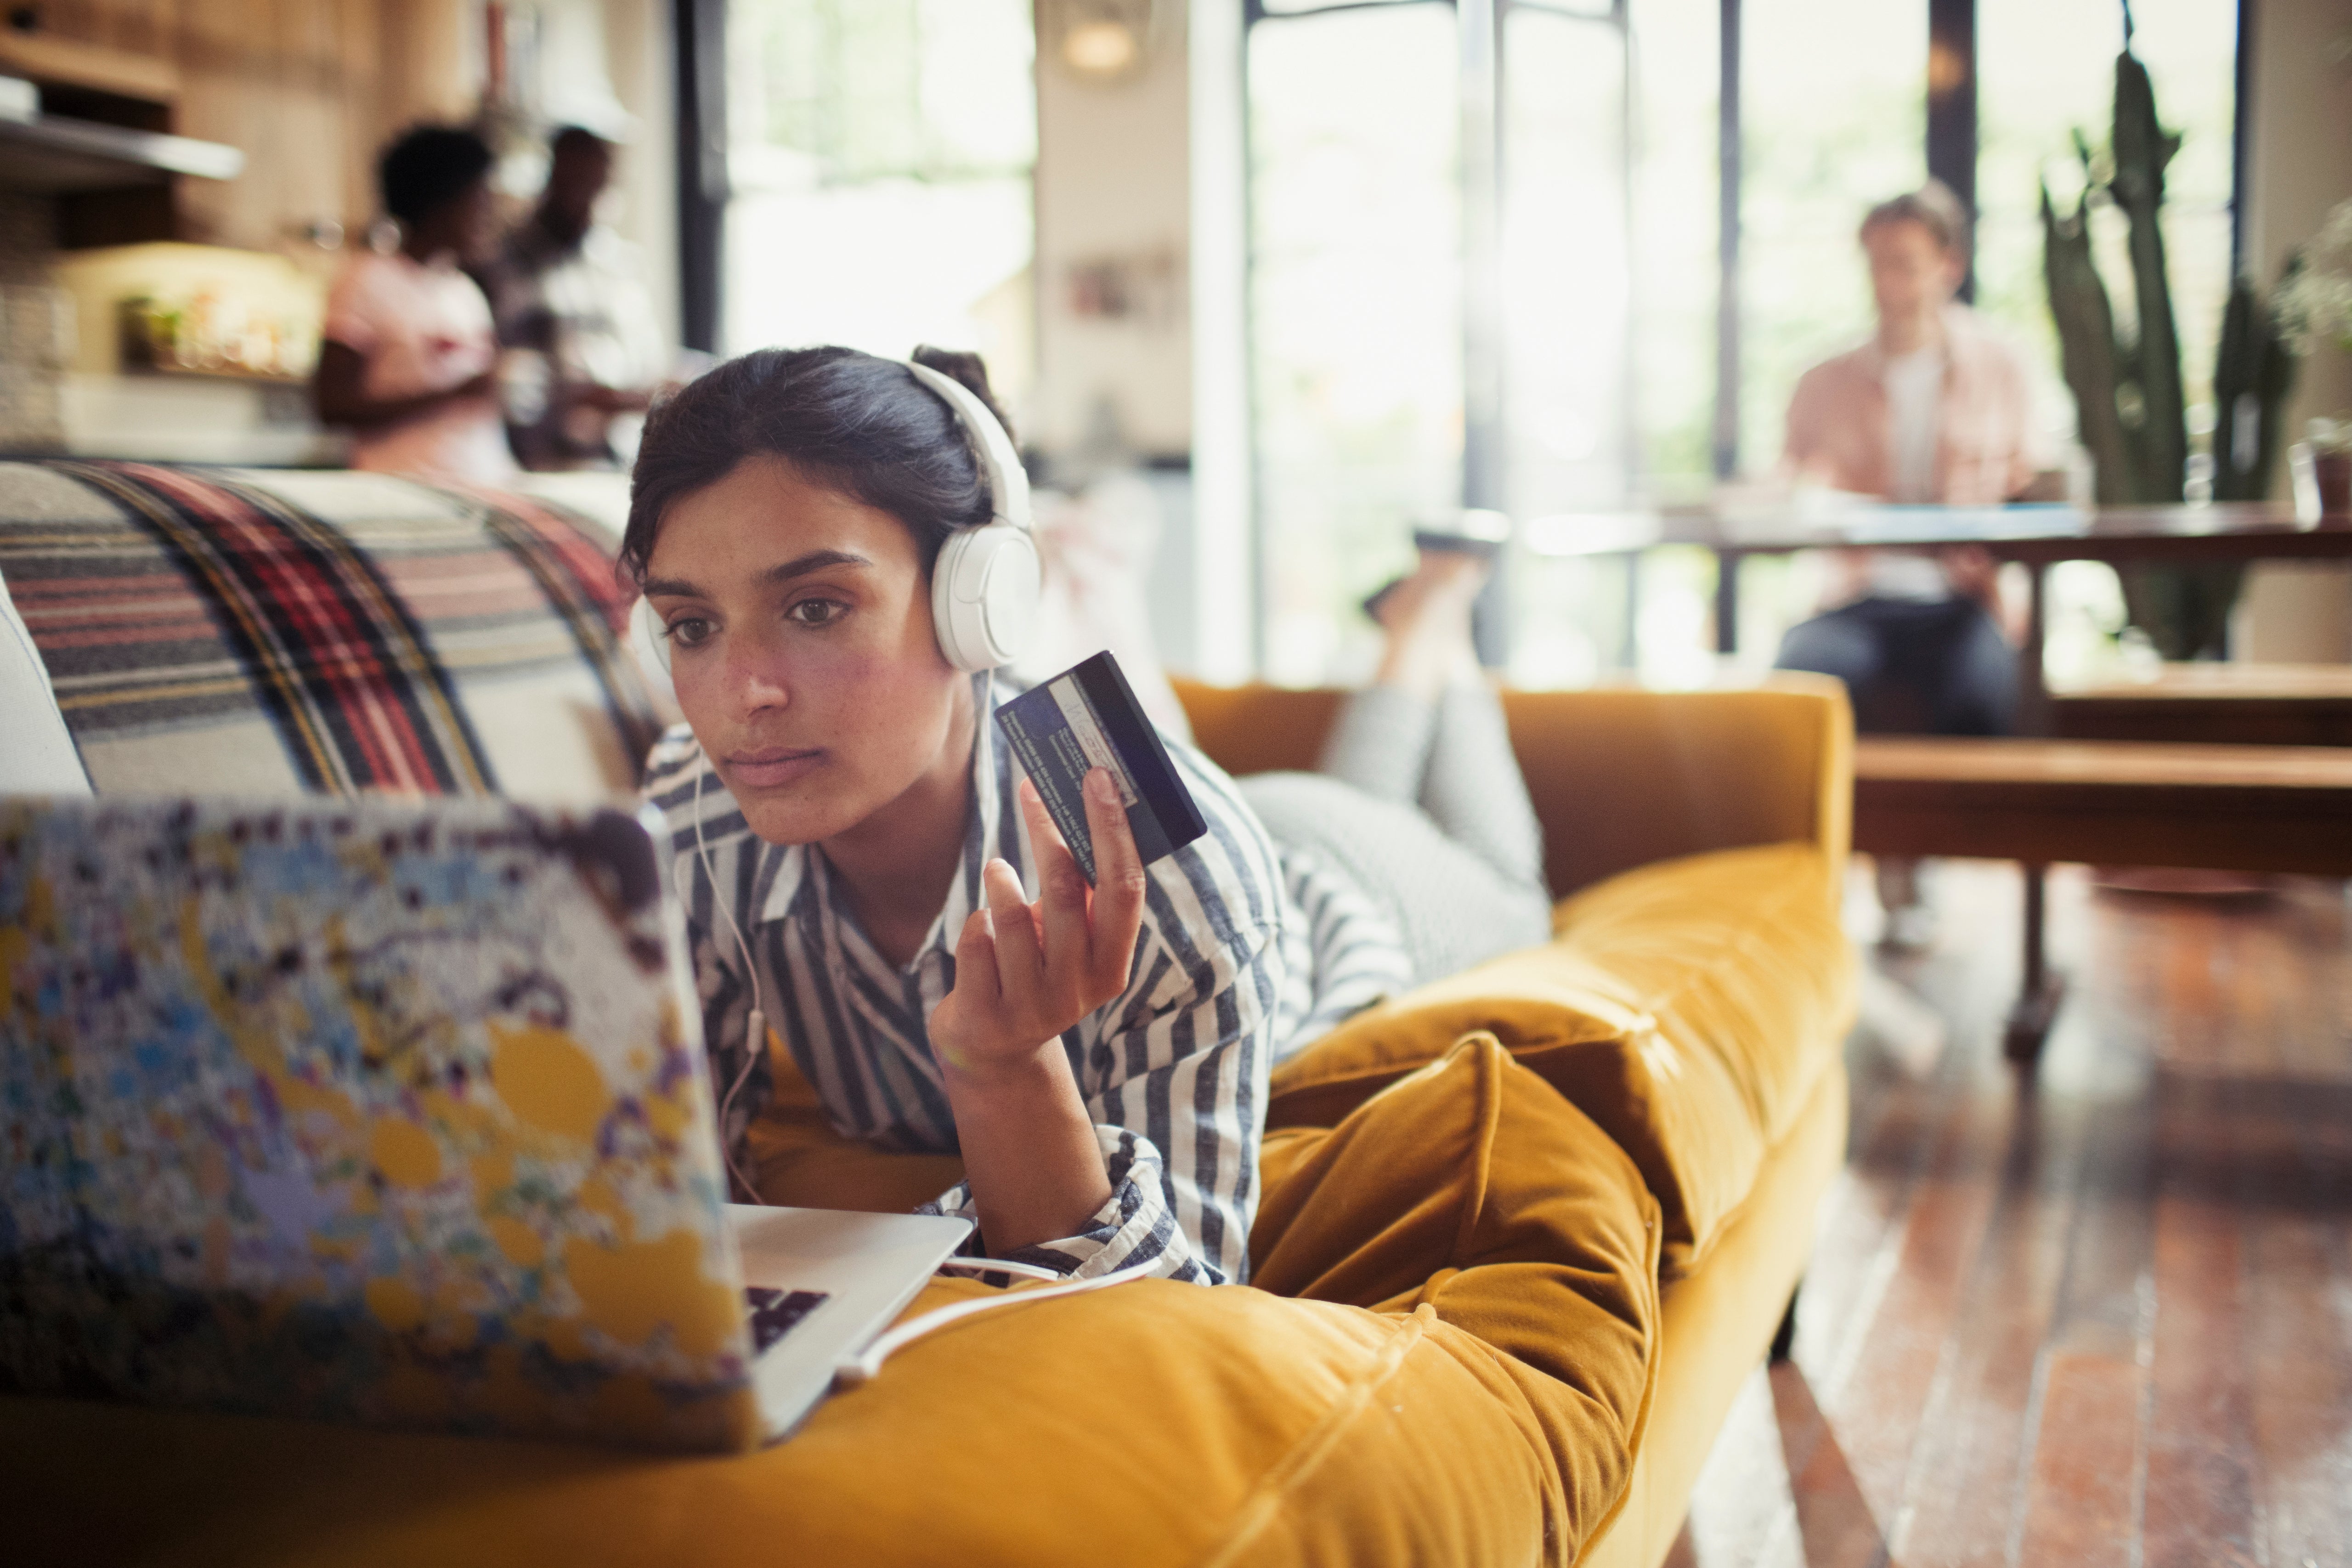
(1008, 481)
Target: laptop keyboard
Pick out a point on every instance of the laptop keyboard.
(774, 1312)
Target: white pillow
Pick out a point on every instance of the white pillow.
(36, 751)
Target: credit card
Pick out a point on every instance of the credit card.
(1088, 717)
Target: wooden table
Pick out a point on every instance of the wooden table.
(2232, 704)
(2035, 801)
(2132, 802)
(2034, 536)
(2128, 803)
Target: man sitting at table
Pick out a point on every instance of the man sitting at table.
(1933, 409)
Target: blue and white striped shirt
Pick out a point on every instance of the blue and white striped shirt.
(1172, 1070)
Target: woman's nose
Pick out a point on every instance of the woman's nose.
(756, 675)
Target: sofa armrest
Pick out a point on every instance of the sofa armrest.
(1620, 776)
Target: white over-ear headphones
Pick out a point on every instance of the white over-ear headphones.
(985, 585)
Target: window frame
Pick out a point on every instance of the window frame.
(1484, 31)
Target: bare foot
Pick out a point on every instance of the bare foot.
(1426, 617)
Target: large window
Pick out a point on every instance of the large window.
(1440, 286)
(1566, 262)
(1834, 116)
(878, 156)
(1355, 300)
(1678, 45)
(1603, 319)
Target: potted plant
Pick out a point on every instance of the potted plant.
(2315, 310)
(2322, 464)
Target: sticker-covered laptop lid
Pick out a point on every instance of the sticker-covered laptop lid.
(368, 1110)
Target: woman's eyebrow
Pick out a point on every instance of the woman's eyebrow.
(783, 571)
(814, 561)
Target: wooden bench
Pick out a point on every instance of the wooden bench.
(2227, 808)
(2220, 704)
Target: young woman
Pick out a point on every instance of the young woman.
(409, 356)
(873, 886)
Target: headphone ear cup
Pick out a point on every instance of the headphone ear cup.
(1016, 581)
(984, 592)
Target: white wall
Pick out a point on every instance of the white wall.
(1146, 173)
(2302, 166)
(644, 77)
(1113, 186)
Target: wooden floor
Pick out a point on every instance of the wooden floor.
(2104, 1319)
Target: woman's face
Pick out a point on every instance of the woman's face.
(800, 637)
(465, 227)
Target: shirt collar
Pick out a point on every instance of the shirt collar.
(1960, 326)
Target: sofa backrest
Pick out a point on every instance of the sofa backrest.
(1619, 777)
(223, 631)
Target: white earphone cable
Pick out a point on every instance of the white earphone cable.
(755, 1028)
(999, 1266)
(864, 1368)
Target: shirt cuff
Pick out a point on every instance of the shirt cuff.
(1133, 1226)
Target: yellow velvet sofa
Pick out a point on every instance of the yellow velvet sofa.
(1523, 1233)
(1694, 1003)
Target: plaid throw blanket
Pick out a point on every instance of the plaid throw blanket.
(386, 634)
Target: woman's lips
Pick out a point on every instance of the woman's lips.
(769, 767)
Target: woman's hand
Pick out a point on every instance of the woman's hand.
(1025, 973)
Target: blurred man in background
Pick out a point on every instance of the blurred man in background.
(572, 307)
(1936, 407)
(1933, 409)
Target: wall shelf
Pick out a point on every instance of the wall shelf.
(55, 154)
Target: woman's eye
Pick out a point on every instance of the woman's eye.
(688, 631)
(818, 612)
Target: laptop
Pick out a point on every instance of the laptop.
(392, 1113)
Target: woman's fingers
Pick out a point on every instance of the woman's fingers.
(1119, 886)
(1062, 894)
(976, 961)
(1055, 961)
(1020, 960)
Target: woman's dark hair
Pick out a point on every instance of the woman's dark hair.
(428, 168)
(852, 422)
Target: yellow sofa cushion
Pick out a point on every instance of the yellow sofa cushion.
(1468, 1390)
(1688, 1006)
(1470, 1187)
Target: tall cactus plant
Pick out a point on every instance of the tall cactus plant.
(2088, 352)
(2252, 376)
(2135, 421)
(2131, 408)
